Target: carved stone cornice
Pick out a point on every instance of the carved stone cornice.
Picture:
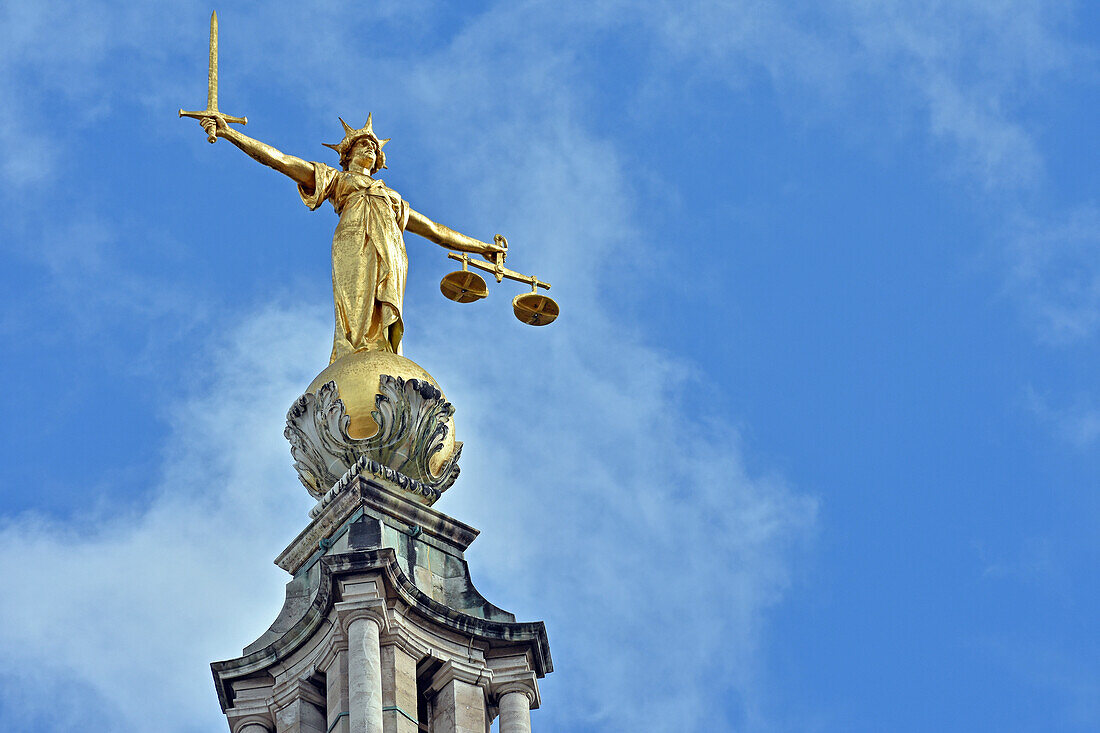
(298, 689)
(359, 493)
(398, 635)
(525, 638)
(471, 674)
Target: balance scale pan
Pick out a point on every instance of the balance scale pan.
(534, 309)
(463, 286)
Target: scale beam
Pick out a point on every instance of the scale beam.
(499, 270)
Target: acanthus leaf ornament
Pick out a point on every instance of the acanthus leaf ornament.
(413, 424)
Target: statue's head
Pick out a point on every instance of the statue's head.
(358, 143)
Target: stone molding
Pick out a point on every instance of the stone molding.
(397, 589)
(412, 419)
(238, 724)
(528, 685)
(471, 674)
(361, 492)
(298, 690)
(349, 611)
(397, 635)
(364, 466)
(513, 673)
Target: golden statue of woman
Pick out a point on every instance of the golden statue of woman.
(369, 263)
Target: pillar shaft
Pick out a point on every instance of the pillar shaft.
(459, 708)
(398, 691)
(300, 716)
(336, 677)
(515, 713)
(364, 677)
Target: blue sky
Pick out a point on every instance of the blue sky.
(812, 447)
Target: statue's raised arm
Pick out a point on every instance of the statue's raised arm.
(293, 167)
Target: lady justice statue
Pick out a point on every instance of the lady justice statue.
(371, 401)
(369, 263)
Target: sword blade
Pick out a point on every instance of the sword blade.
(212, 83)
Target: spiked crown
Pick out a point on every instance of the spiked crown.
(352, 136)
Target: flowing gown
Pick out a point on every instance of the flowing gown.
(369, 263)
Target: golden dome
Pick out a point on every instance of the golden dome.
(357, 378)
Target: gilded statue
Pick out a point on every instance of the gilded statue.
(369, 263)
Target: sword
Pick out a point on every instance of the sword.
(212, 86)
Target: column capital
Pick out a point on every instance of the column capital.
(295, 690)
(240, 724)
(514, 673)
(373, 609)
(397, 634)
(508, 682)
(463, 672)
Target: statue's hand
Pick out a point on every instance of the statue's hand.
(499, 246)
(215, 127)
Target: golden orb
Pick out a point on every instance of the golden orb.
(357, 376)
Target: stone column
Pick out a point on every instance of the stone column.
(364, 675)
(515, 712)
(399, 701)
(515, 689)
(252, 710)
(300, 716)
(336, 693)
(459, 705)
(299, 707)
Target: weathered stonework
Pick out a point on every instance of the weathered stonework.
(413, 423)
(382, 630)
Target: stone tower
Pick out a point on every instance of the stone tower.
(382, 628)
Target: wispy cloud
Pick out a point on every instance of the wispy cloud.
(614, 503)
(1077, 422)
(954, 73)
(1070, 679)
(153, 593)
(1055, 269)
(640, 556)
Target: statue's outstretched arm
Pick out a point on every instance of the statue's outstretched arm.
(295, 168)
(449, 238)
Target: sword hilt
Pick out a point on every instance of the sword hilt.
(207, 114)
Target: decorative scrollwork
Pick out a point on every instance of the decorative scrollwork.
(413, 420)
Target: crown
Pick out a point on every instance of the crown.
(352, 136)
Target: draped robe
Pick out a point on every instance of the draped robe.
(369, 263)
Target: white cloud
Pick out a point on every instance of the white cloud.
(608, 508)
(957, 71)
(963, 74)
(628, 524)
(613, 503)
(128, 605)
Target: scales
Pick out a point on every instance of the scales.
(535, 309)
(464, 286)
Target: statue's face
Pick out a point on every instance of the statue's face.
(363, 155)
